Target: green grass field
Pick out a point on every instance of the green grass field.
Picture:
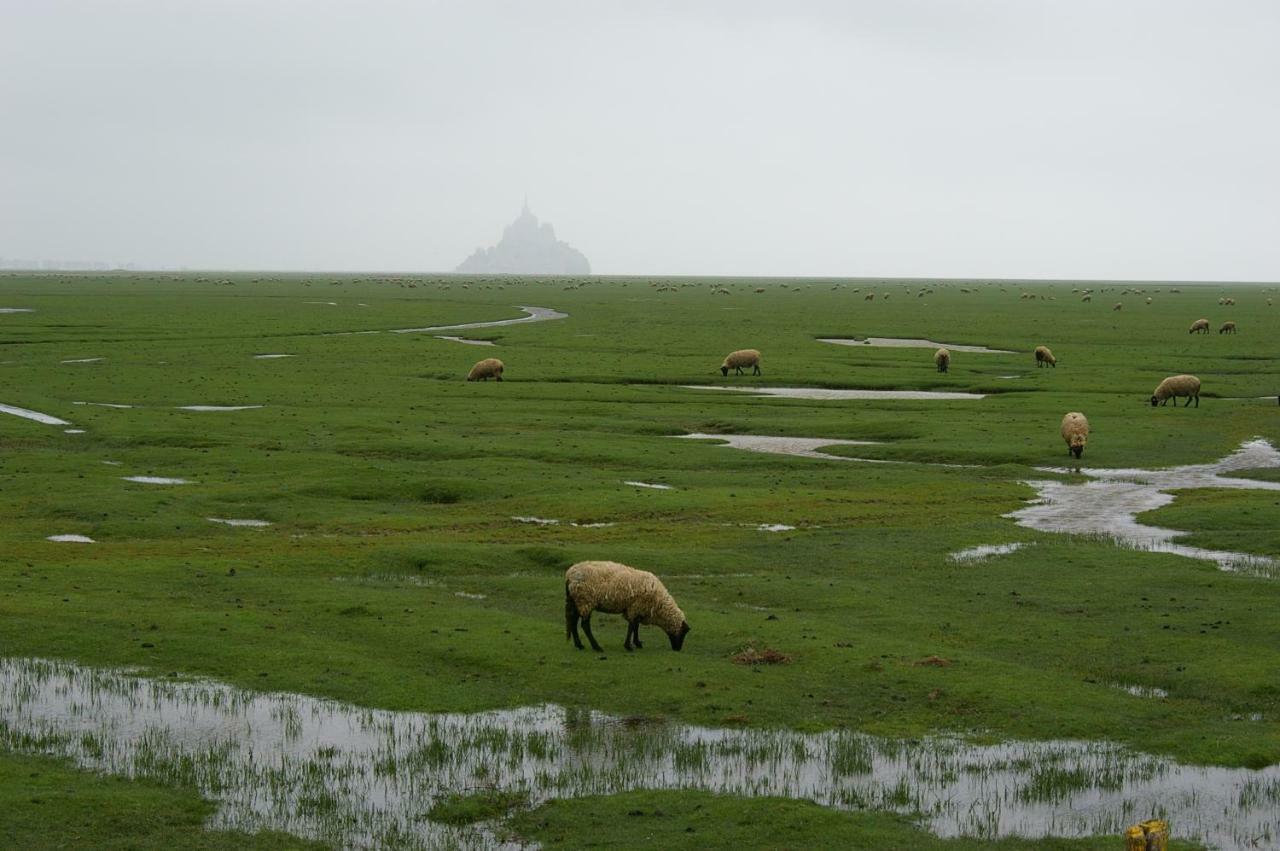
(391, 484)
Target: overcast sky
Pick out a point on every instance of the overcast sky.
(993, 138)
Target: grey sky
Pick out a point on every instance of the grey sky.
(1096, 138)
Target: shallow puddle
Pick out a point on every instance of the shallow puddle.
(272, 356)
(84, 360)
(468, 341)
(71, 539)
(27, 414)
(255, 524)
(73, 431)
(16, 310)
(824, 394)
(535, 314)
(775, 527)
(910, 343)
(984, 552)
(219, 407)
(1109, 505)
(156, 480)
(650, 485)
(800, 447)
(357, 777)
(102, 404)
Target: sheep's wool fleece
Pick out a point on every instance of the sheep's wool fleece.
(1074, 424)
(1178, 385)
(615, 588)
(941, 356)
(488, 367)
(1200, 325)
(742, 357)
(1043, 353)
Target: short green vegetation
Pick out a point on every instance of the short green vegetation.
(393, 574)
(696, 820)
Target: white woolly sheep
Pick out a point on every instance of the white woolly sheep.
(942, 358)
(1087, 298)
(737, 360)
(617, 589)
(1199, 325)
(486, 369)
(1075, 431)
(1044, 356)
(1228, 327)
(1175, 386)
(1117, 306)
(869, 297)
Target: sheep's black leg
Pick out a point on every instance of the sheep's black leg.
(626, 642)
(635, 634)
(757, 372)
(571, 618)
(586, 627)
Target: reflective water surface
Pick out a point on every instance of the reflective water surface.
(1109, 504)
(360, 777)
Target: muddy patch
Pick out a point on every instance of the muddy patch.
(36, 416)
(357, 777)
(913, 343)
(71, 539)
(984, 552)
(1108, 506)
(799, 447)
(467, 341)
(824, 394)
(156, 480)
(252, 524)
(534, 314)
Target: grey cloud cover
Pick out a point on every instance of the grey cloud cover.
(1003, 139)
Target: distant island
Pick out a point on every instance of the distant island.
(528, 247)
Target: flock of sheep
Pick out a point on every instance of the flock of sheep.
(641, 598)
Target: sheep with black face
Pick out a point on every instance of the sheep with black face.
(614, 588)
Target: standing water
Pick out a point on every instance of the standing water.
(356, 777)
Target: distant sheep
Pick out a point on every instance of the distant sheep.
(1075, 431)
(737, 360)
(1087, 298)
(942, 358)
(1227, 328)
(1175, 386)
(1044, 356)
(486, 369)
(1200, 325)
(617, 589)
(869, 297)
(1117, 306)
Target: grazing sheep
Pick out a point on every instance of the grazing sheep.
(737, 360)
(616, 589)
(1149, 298)
(1175, 386)
(486, 369)
(1075, 431)
(1199, 325)
(869, 297)
(1227, 328)
(942, 358)
(1044, 356)
(1087, 298)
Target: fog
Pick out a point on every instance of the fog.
(996, 139)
